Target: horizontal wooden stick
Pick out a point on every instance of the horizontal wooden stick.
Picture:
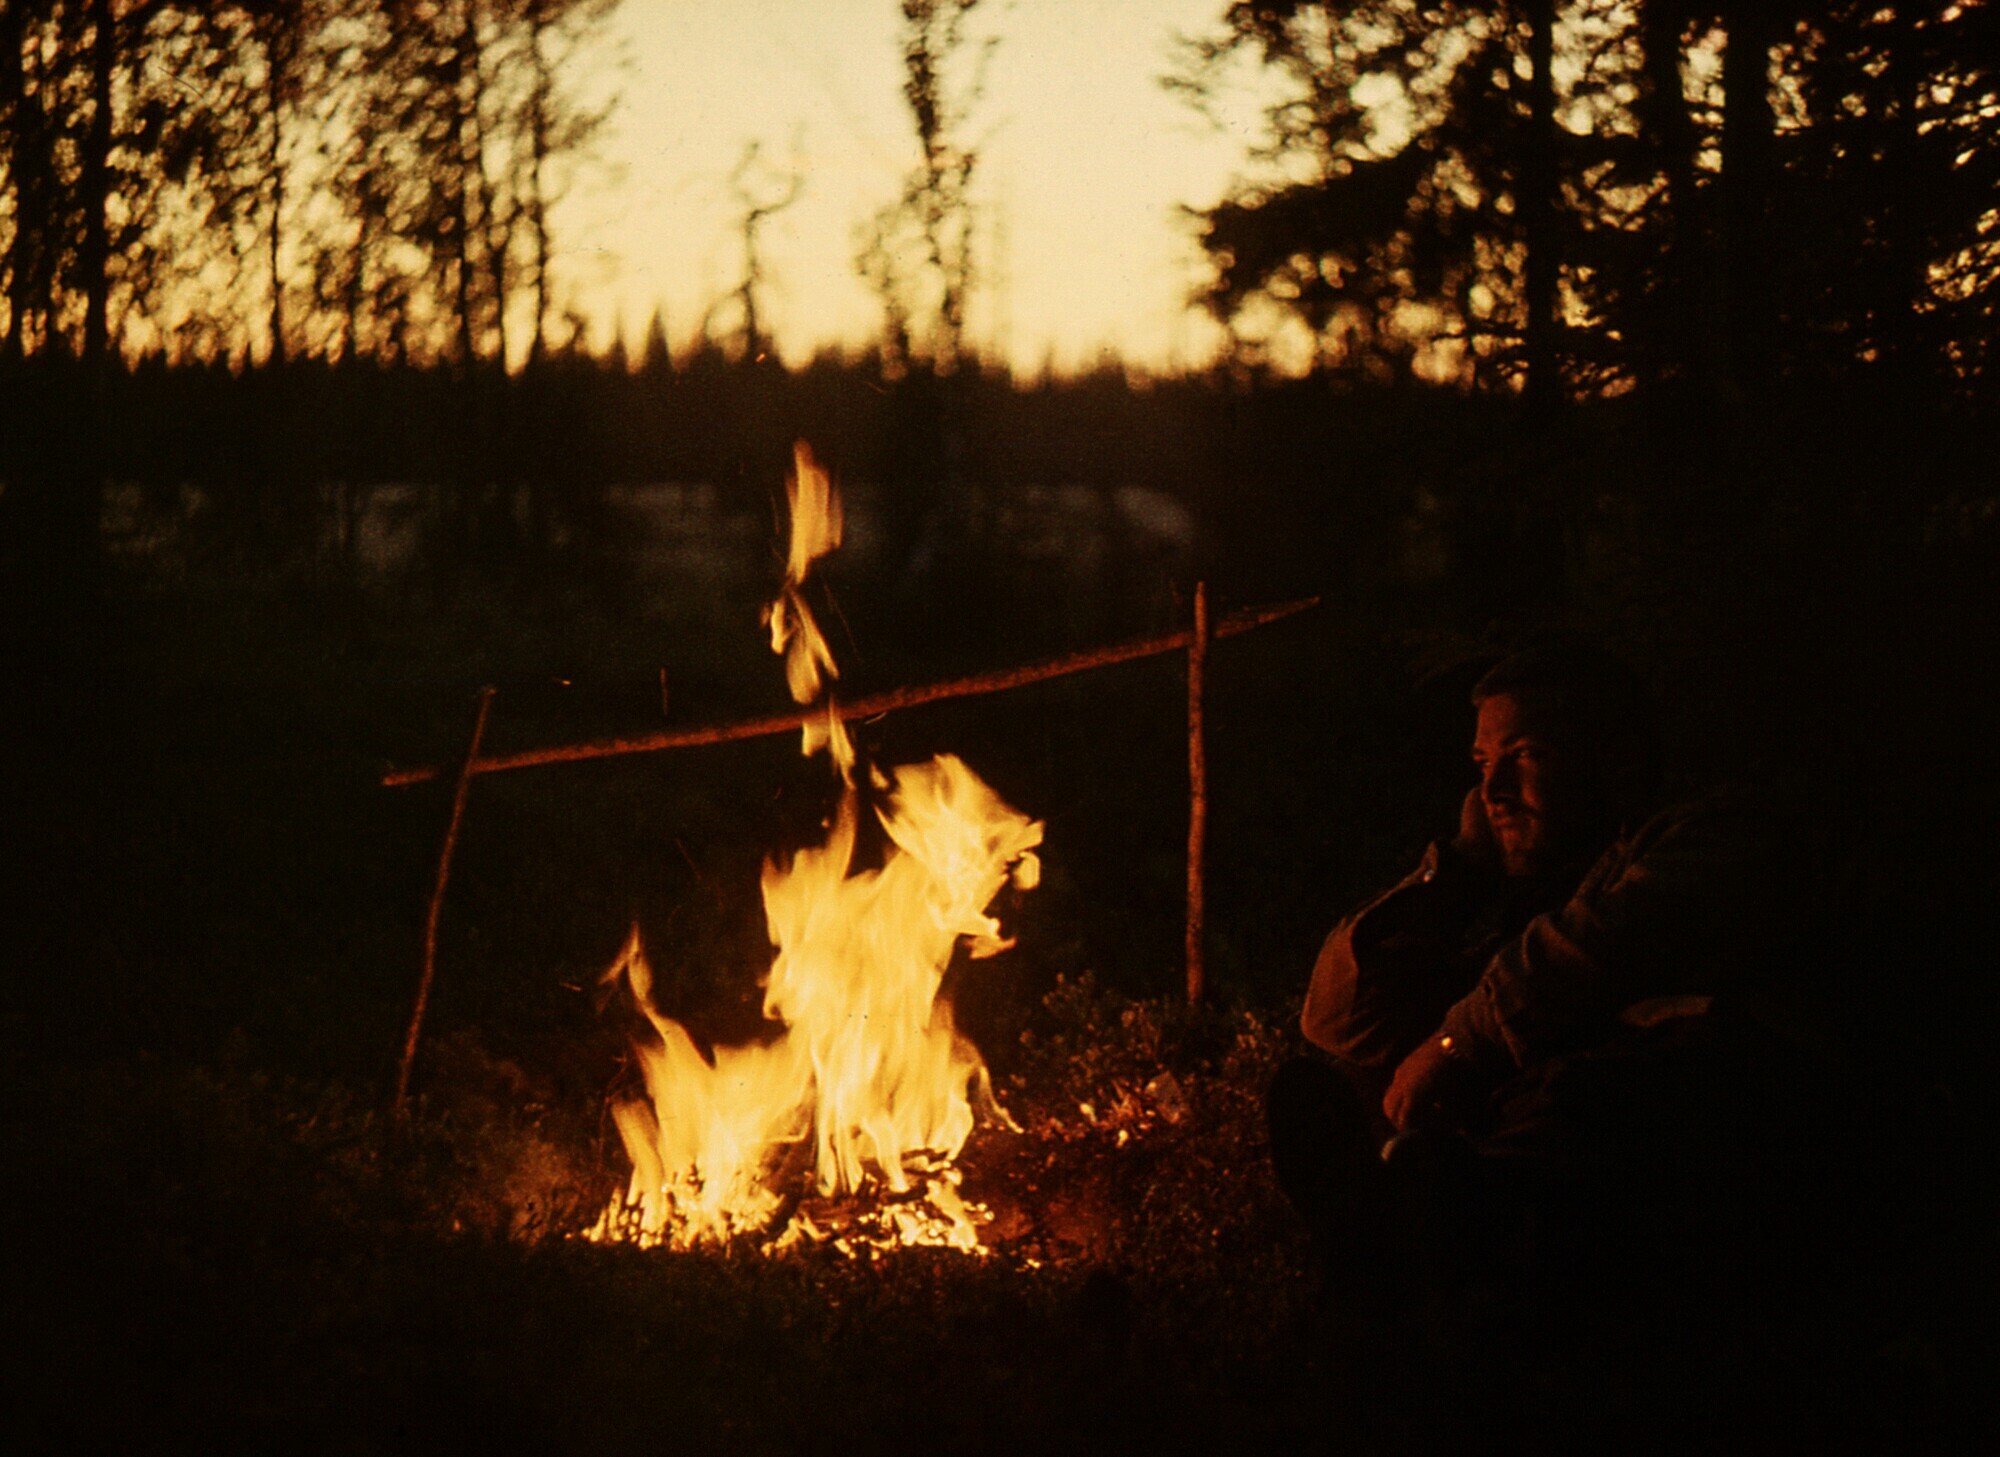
(793, 719)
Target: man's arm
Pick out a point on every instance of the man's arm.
(1391, 968)
(1685, 906)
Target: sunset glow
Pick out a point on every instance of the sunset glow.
(1085, 161)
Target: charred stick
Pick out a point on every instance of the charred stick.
(792, 720)
(465, 773)
(1197, 794)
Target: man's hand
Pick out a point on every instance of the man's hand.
(1431, 1088)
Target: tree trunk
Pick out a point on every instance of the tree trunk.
(1665, 118)
(15, 262)
(1899, 331)
(496, 219)
(460, 165)
(1746, 188)
(277, 61)
(537, 201)
(1538, 212)
(94, 182)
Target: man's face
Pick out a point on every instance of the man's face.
(1537, 783)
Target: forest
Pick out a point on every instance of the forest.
(1664, 324)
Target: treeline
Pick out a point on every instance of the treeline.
(353, 178)
(268, 247)
(1578, 198)
(515, 461)
(1292, 483)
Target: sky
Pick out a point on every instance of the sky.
(1085, 162)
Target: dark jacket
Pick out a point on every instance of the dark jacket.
(1682, 910)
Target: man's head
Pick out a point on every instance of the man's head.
(1567, 745)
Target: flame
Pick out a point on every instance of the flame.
(817, 522)
(860, 959)
(864, 1079)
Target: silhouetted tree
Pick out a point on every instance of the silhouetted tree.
(558, 128)
(300, 179)
(367, 176)
(100, 132)
(655, 357)
(1373, 233)
(918, 252)
(285, 36)
(1747, 190)
(918, 255)
(762, 193)
(1888, 164)
(101, 138)
(25, 184)
(1572, 193)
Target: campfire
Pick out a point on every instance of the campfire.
(842, 1120)
(863, 1092)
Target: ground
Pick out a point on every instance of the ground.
(223, 1241)
(224, 1258)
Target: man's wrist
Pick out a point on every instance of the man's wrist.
(1475, 1057)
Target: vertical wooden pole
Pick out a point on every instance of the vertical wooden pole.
(437, 901)
(1197, 794)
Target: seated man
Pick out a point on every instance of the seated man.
(1571, 996)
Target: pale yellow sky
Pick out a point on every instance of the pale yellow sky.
(1085, 159)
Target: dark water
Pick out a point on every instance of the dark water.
(678, 536)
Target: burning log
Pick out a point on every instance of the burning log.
(793, 720)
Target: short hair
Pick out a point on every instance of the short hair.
(1606, 700)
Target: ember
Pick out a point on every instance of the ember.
(866, 1086)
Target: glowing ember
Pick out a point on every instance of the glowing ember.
(865, 1082)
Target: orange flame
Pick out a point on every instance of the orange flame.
(817, 522)
(865, 1079)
